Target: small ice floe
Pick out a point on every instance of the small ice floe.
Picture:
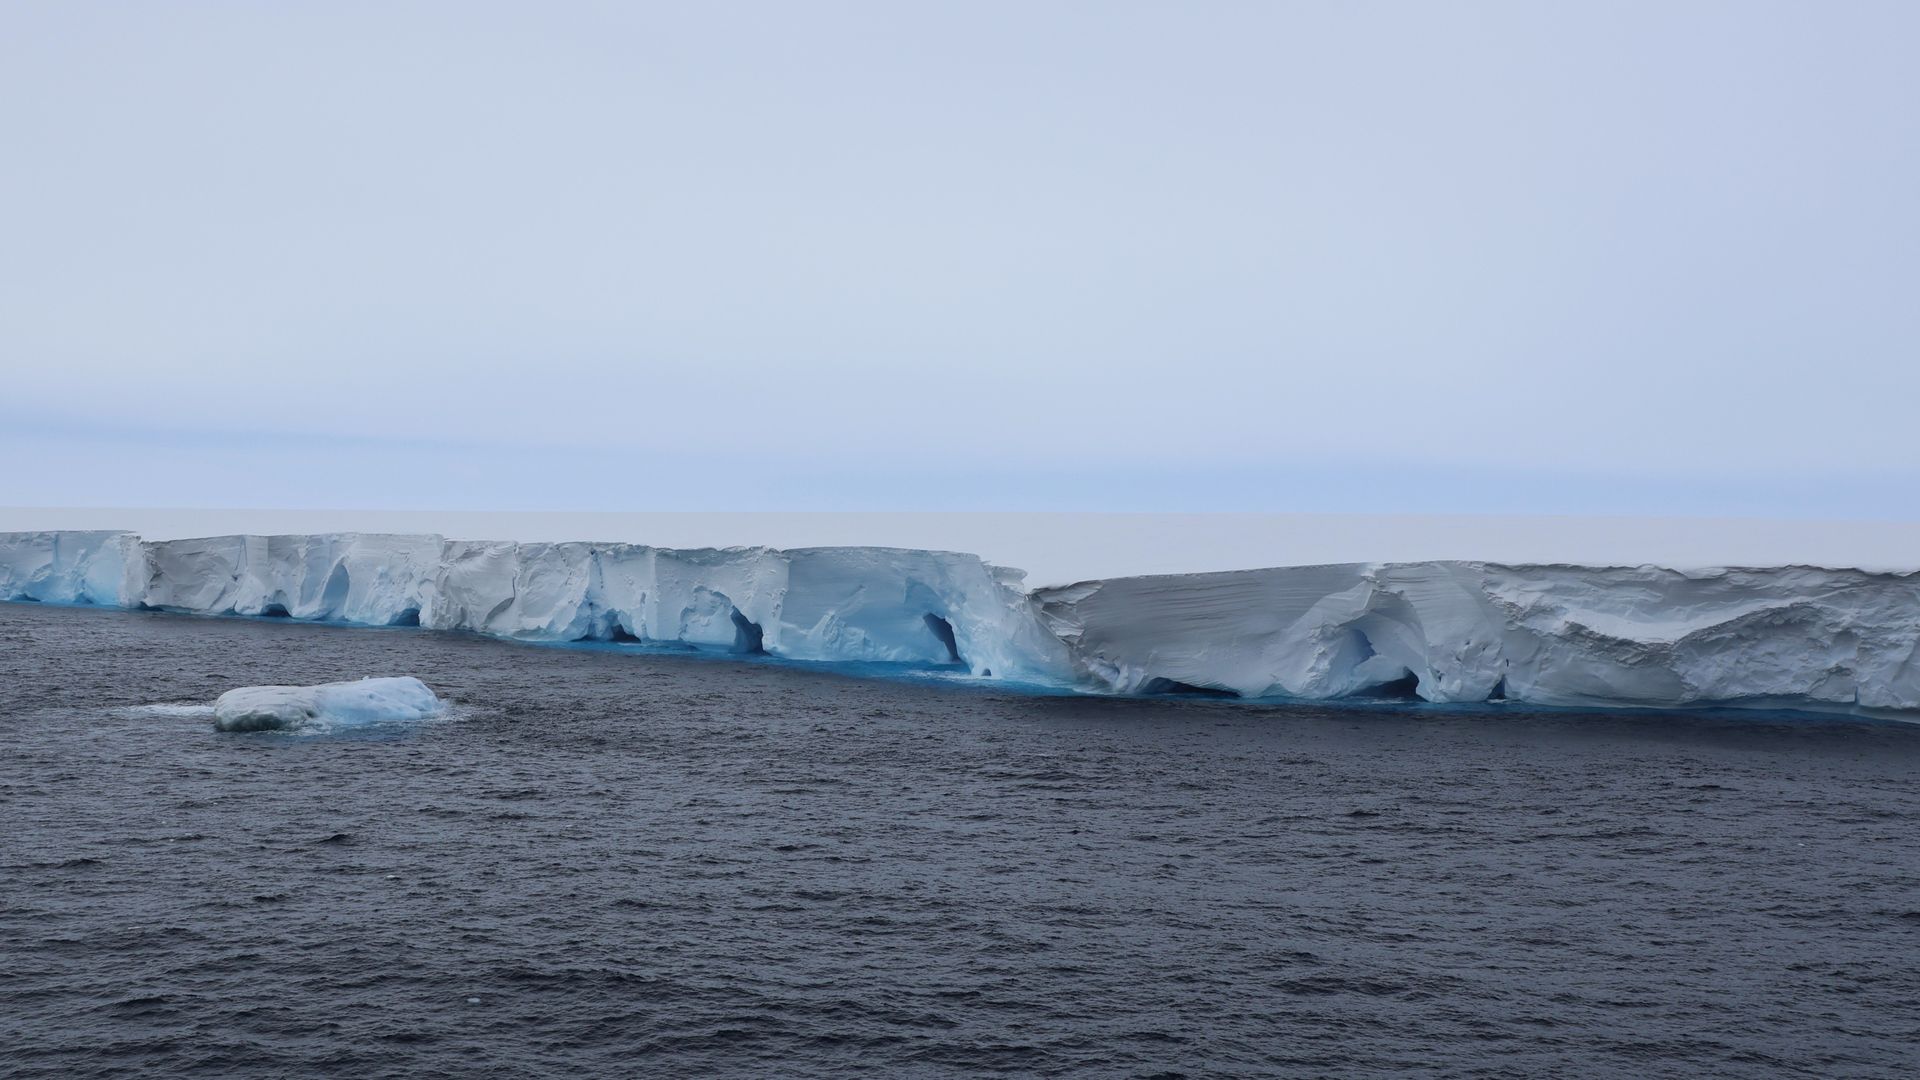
(329, 705)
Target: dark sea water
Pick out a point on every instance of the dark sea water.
(637, 864)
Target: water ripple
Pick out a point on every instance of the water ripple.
(640, 864)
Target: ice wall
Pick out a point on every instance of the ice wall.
(1475, 632)
(877, 604)
(70, 567)
(1843, 640)
(375, 580)
(808, 604)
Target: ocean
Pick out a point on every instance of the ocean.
(625, 862)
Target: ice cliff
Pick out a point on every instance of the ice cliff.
(878, 604)
(1474, 632)
(1842, 640)
(71, 567)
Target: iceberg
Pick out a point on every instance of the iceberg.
(347, 577)
(1787, 637)
(328, 705)
(1445, 632)
(819, 604)
(70, 567)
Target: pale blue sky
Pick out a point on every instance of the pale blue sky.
(1608, 257)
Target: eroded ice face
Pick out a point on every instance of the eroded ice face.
(1444, 632)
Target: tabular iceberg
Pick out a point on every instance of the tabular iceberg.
(1475, 632)
(1840, 640)
(877, 604)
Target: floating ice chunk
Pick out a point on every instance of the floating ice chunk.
(341, 704)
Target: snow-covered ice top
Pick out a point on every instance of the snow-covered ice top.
(1805, 637)
(328, 705)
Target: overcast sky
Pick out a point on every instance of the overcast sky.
(1607, 257)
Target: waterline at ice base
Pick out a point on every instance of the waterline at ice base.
(1793, 637)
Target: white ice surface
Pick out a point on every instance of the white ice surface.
(871, 604)
(1792, 636)
(326, 706)
(83, 567)
(1471, 632)
(342, 577)
(1059, 548)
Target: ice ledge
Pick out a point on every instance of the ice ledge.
(1793, 636)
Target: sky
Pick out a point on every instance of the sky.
(1514, 258)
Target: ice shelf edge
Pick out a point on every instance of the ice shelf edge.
(1810, 638)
